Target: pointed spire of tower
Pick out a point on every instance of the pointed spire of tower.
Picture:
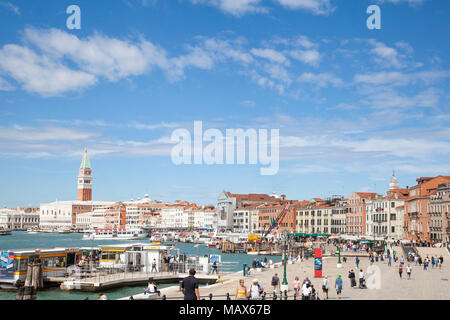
(85, 164)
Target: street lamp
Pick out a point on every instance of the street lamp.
(339, 265)
(284, 284)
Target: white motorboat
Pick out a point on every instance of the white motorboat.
(116, 234)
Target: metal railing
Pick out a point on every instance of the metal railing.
(285, 295)
(97, 273)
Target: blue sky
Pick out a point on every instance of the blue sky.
(351, 104)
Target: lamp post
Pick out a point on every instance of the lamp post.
(339, 265)
(284, 284)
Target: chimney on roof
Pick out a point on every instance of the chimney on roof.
(283, 196)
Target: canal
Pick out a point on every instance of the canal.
(24, 240)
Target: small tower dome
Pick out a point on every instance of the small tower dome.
(394, 182)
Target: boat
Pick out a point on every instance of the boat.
(255, 252)
(116, 234)
(32, 230)
(212, 244)
(14, 264)
(64, 231)
(5, 232)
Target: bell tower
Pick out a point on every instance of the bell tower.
(85, 179)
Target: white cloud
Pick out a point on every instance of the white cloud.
(20, 133)
(389, 99)
(234, 7)
(5, 85)
(321, 79)
(143, 126)
(270, 54)
(100, 55)
(40, 74)
(305, 42)
(319, 7)
(306, 169)
(395, 78)
(311, 57)
(385, 55)
(46, 71)
(11, 7)
(410, 2)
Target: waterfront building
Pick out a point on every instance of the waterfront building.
(84, 221)
(385, 215)
(172, 216)
(98, 219)
(18, 219)
(228, 202)
(206, 217)
(115, 216)
(246, 218)
(62, 214)
(339, 216)
(439, 208)
(268, 213)
(314, 217)
(356, 212)
(417, 206)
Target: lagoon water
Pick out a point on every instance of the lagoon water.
(24, 240)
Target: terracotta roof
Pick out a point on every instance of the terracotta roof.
(366, 194)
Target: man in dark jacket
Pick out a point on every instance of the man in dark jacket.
(352, 277)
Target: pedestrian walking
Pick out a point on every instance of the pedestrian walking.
(214, 267)
(400, 270)
(275, 282)
(339, 286)
(241, 290)
(154, 265)
(362, 279)
(351, 276)
(432, 262)
(189, 287)
(441, 260)
(325, 286)
(297, 286)
(255, 290)
(306, 281)
(357, 262)
(408, 271)
(389, 261)
(306, 291)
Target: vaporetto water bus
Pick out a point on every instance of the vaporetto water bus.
(55, 261)
(115, 234)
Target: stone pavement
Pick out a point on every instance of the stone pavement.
(429, 251)
(423, 285)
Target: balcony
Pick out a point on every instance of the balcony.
(414, 214)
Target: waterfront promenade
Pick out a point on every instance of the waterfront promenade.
(423, 285)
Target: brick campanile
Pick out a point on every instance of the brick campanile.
(85, 179)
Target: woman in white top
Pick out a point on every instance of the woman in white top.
(297, 286)
(306, 291)
(408, 271)
(325, 286)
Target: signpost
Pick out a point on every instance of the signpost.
(318, 263)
